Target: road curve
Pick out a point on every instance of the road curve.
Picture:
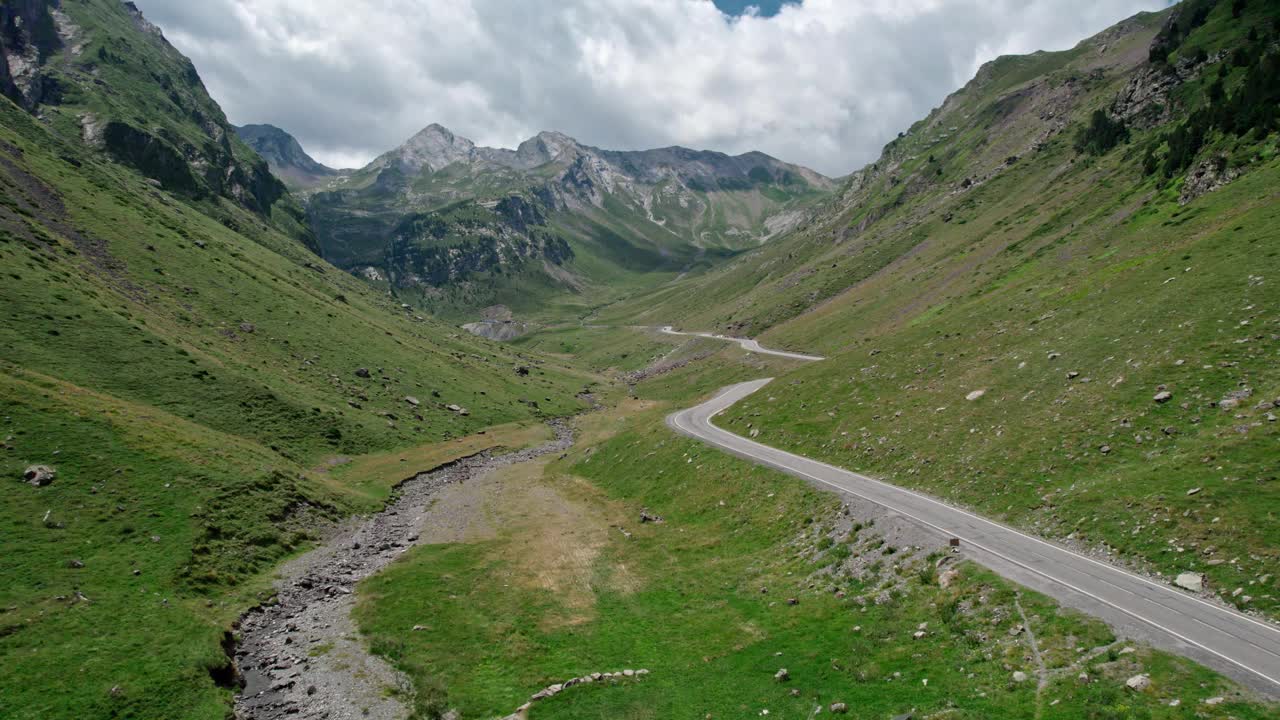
(1242, 647)
(747, 344)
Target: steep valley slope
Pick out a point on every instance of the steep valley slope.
(1052, 300)
(182, 377)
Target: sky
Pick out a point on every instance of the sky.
(822, 83)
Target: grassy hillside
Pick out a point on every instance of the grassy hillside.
(190, 371)
(1070, 268)
(748, 572)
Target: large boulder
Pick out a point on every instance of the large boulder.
(1190, 581)
(39, 475)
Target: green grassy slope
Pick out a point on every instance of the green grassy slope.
(188, 368)
(701, 600)
(1069, 286)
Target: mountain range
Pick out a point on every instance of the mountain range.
(431, 219)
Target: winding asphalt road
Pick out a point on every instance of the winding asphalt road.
(1235, 644)
(747, 344)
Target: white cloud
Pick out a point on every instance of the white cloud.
(824, 84)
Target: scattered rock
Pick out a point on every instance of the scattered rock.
(1190, 581)
(948, 577)
(248, 327)
(976, 394)
(1193, 491)
(1138, 683)
(1215, 700)
(839, 708)
(412, 400)
(648, 517)
(1019, 677)
(782, 675)
(39, 475)
(1163, 396)
(75, 564)
(362, 372)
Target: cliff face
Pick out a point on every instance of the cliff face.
(28, 37)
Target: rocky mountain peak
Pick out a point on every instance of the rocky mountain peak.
(547, 146)
(285, 156)
(433, 148)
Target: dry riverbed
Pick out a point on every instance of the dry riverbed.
(301, 657)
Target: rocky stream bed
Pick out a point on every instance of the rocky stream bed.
(301, 656)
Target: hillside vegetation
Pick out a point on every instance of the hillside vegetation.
(1006, 294)
(188, 370)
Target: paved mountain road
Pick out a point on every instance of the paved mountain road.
(747, 344)
(1235, 644)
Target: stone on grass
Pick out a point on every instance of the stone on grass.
(782, 675)
(1138, 683)
(1163, 396)
(1019, 677)
(839, 708)
(39, 475)
(976, 394)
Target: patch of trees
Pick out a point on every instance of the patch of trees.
(1101, 134)
(1254, 108)
(1181, 24)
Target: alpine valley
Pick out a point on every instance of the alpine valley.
(448, 435)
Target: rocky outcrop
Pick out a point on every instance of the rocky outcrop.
(1207, 176)
(551, 691)
(28, 36)
(440, 248)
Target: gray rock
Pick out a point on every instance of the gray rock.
(248, 327)
(782, 675)
(39, 475)
(839, 708)
(1163, 396)
(362, 372)
(1190, 581)
(1138, 683)
(1019, 677)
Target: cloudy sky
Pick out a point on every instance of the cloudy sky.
(824, 83)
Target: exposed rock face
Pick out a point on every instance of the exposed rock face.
(1207, 176)
(28, 36)
(447, 247)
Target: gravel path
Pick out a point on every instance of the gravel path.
(303, 657)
